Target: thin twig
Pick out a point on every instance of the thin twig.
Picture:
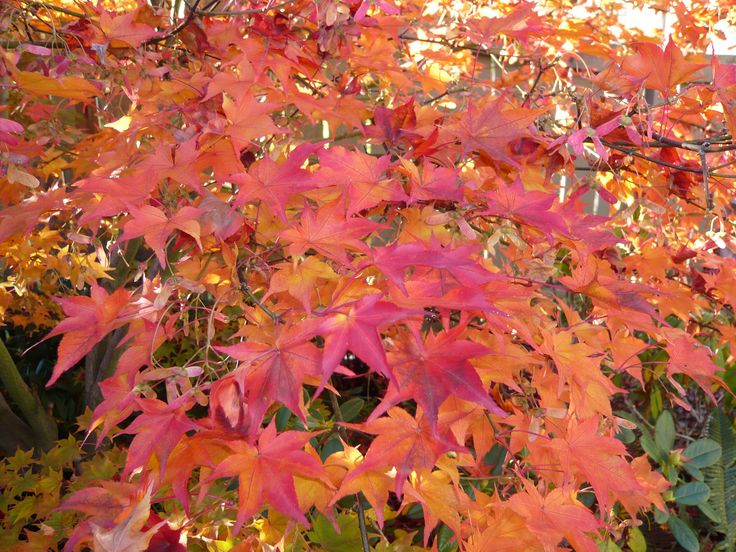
(706, 183)
(176, 30)
(246, 289)
(251, 11)
(59, 9)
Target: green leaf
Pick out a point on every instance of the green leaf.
(721, 477)
(282, 418)
(324, 534)
(660, 516)
(351, 409)
(664, 431)
(626, 436)
(635, 540)
(445, 539)
(692, 493)
(651, 448)
(608, 546)
(685, 536)
(702, 453)
(708, 510)
(694, 472)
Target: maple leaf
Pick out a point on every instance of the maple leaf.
(557, 515)
(507, 531)
(359, 178)
(274, 183)
(178, 162)
(122, 29)
(155, 227)
(89, 319)
(329, 232)
(276, 370)
(247, 119)
(354, 326)
(609, 291)
(219, 218)
(724, 83)
(375, 485)
(403, 442)
(300, 279)
(266, 472)
(530, 208)
(453, 263)
(157, 431)
(657, 69)
(430, 370)
(579, 366)
(522, 23)
(491, 128)
(440, 500)
(119, 402)
(654, 484)
(426, 289)
(689, 357)
(392, 125)
(429, 182)
(118, 510)
(23, 217)
(73, 88)
(128, 535)
(597, 459)
(114, 195)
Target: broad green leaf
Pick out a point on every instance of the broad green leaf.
(351, 409)
(635, 540)
(702, 453)
(660, 516)
(685, 536)
(708, 510)
(692, 493)
(694, 472)
(664, 431)
(282, 418)
(652, 449)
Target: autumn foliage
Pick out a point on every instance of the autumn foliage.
(387, 275)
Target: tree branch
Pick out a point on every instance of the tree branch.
(44, 428)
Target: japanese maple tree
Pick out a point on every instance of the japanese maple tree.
(368, 275)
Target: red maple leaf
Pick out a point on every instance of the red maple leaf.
(354, 326)
(266, 472)
(274, 183)
(432, 369)
(276, 370)
(89, 319)
(530, 208)
(329, 232)
(360, 178)
(157, 431)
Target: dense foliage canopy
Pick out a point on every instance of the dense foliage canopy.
(355, 275)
